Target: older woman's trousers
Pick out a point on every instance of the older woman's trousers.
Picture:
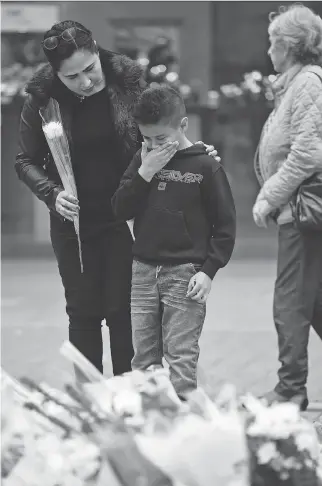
(101, 292)
(297, 304)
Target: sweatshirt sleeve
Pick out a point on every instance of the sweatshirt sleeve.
(131, 193)
(220, 208)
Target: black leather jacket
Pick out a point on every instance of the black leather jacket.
(34, 163)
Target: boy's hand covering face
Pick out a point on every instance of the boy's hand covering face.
(153, 161)
(199, 287)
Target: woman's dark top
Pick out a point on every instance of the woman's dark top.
(95, 163)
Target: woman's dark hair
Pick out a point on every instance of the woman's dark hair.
(81, 39)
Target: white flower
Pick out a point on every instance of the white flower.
(237, 91)
(278, 421)
(53, 129)
(319, 472)
(269, 96)
(56, 461)
(307, 441)
(288, 412)
(257, 76)
(254, 88)
(185, 90)
(266, 453)
(290, 463)
(272, 78)
(309, 463)
(144, 61)
(127, 402)
(284, 475)
(172, 77)
(228, 90)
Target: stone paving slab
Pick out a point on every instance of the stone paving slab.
(238, 344)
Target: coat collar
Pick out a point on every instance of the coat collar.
(285, 80)
(124, 83)
(119, 71)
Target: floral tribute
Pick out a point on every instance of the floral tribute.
(133, 430)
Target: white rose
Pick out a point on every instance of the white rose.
(308, 442)
(286, 412)
(53, 129)
(127, 402)
(278, 421)
(266, 453)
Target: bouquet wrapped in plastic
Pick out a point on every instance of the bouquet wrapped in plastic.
(205, 445)
(45, 439)
(133, 430)
(58, 143)
(67, 439)
(284, 447)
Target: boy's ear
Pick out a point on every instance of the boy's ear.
(184, 124)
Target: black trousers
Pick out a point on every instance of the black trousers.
(297, 304)
(102, 291)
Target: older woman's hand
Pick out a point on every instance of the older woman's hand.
(210, 149)
(261, 211)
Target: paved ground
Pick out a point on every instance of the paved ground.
(238, 344)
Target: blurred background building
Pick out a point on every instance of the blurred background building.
(214, 52)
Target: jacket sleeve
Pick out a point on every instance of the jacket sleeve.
(305, 155)
(131, 193)
(33, 148)
(220, 207)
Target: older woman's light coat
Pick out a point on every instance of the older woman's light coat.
(290, 149)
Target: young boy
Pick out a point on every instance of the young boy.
(184, 227)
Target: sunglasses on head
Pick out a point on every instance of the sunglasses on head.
(69, 35)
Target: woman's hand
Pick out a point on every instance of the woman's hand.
(67, 205)
(199, 287)
(261, 211)
(210, 149)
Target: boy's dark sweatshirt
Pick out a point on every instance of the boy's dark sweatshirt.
(186, 214)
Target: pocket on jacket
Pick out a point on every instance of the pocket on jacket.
(162, 232)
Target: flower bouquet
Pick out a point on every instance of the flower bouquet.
(284, 447)
(63, 439)
(58, 143)
(132, 430)
(46, 439)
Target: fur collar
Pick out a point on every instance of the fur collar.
(120, 72)
(124, 83)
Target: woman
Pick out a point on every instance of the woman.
(95, 91)
(289, 152)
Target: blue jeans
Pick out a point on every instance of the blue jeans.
(165, 323)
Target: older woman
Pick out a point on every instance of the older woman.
(289, 152)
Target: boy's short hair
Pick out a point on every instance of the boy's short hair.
(161, 103)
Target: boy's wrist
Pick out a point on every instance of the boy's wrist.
(146, 174)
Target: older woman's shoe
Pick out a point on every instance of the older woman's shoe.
(301, 401)
(272, 397)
